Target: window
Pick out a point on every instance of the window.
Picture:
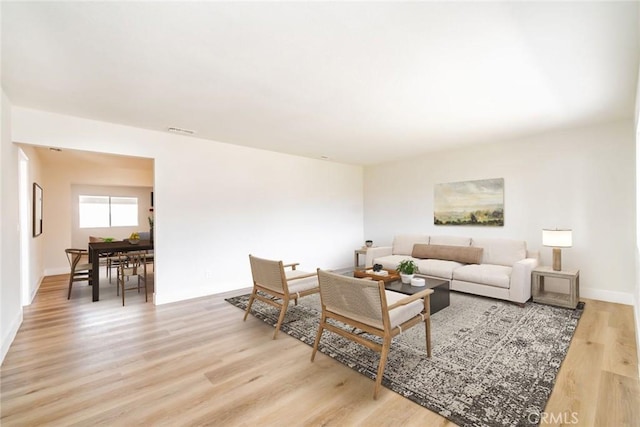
(124, 211)
(108, 211)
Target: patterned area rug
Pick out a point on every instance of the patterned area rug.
(493, 363)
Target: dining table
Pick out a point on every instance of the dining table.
(97, 248)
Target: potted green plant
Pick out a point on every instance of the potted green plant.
(407, 268)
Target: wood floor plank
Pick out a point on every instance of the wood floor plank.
(577, 383)
(74, 362)
(614, 406)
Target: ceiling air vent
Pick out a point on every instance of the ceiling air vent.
(182, 131)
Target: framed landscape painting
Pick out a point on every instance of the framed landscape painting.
(469, 203)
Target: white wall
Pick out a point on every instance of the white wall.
(637, 251)
(215, 203)
(637, 247)
(11, 308)
(582, 179)
(36, 244)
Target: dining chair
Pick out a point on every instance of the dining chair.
(132, 265)
(146, 235)
(363, 305)
(80, 271)
(278, 286)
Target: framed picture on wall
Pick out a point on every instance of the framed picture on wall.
(37, 210)
(469, 203)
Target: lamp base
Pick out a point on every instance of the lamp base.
(557, 259)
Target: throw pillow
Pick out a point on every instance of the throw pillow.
(463, 254)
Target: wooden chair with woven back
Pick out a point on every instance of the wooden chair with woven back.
(276, 283)
(365, 306)
(80, 270)
(132, 265)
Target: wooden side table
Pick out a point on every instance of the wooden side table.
(356, 257)
(540, 295)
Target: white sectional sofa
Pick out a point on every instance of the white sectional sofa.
(497, 268)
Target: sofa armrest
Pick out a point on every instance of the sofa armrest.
(520, 286)
(375, 253)
(533, 254)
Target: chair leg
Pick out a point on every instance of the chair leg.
(383, 361)
(121, 285)
(251, 298)
(318, 336)
(146, 295)
(285, 304)
(427, 330)
(70, 285)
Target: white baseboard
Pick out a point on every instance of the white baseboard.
(11, 335)
(608, 296)
(35, 291)
(55, 271)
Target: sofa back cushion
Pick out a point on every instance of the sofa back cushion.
(463, 254)
(403, 243)
(450, 240)
(501, 251)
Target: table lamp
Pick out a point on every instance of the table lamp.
(557, 239)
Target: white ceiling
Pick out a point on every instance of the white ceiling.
(359, 82)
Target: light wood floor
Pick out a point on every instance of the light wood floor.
(196, 363)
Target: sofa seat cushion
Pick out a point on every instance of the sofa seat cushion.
(437, 267)
(390, 261)
(485, 274)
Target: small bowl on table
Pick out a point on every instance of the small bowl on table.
(134, 241)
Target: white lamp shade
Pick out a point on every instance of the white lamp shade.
(557, 238)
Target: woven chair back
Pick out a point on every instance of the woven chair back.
(132, 263)
(351, 297)
(74, 256)
(268, 273)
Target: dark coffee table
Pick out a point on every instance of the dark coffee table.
(439, 297)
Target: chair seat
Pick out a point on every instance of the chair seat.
(397, 316)
(401, 314)
(302, 285)
(294, 274)
(81, 267)
(132, 265)
(79, 272)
